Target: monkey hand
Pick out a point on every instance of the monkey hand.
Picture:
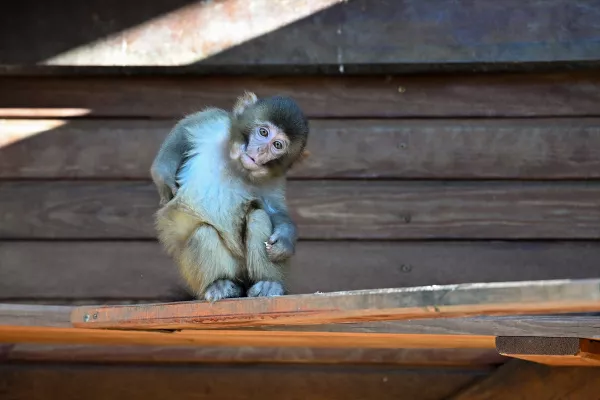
(166, 190)
(279, 247)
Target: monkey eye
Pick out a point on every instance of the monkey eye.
(263, 132)
(278, 145)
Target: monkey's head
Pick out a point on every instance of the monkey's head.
(274, 131)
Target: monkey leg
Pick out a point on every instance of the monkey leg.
(266, 277)
(208, 266)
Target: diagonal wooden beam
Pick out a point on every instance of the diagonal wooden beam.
(508, 298)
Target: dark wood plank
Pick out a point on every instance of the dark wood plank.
(141, 271)
(68, 382)
(323, 210)
(527, 380)
(311, 33)
(248, 355)
(443, 149)
(468, 95)
(33, 315)
(556, 351)
(509, 298)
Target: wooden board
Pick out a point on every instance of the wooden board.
(527, 380)
(53, 382)
(556, 351)
(322, 209)
(321, 32)
(517, 298)
(238, 338)
(126, 271)
(407, 149)
(579, 325)
(468, 95)
(248, 355)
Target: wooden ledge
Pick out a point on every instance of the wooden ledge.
(514, 298)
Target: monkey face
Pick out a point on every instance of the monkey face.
(266, 143)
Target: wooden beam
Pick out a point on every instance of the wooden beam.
(555, 351)
(236, 338)
(537, 297)
(522, 380)
(575, 94)
(408, 149)
(541, 325)
(322, 209)
(219, 382)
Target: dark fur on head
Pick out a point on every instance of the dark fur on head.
(284, 113)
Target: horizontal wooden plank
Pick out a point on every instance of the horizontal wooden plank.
(468, 95)
(322, 209)
(507, 298)
(577, 325)
(141, 271)
(248, 355)
(421, 149)
(309, 33)
(527, 380)
(53, 382)
(238, 338)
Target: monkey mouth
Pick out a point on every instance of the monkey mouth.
(249, 162)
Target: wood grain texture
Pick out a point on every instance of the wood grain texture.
(467, 95)
(11, 334)
(557, 351)
(407, 149)
(584, 326)
(528, 380)
(322, 209)
(360, 32)
(68, 382)
(509, 298)
(98, 272)
(248, 355)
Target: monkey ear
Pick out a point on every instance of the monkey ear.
(303, 156)
(245, 100)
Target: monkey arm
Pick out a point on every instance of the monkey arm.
(282, 242)
(167, 162)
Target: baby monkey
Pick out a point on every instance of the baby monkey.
(221, 180)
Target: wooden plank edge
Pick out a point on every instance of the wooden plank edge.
(52, 335)
(505, 298)
(553, 351)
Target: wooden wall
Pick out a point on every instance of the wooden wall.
(414, 179)
(451, 142)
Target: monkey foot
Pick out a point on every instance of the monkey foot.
(266, 289)
(222, 289)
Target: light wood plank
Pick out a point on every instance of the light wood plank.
(515, 298)
(407, 149)
(237, 338)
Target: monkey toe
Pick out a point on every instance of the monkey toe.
(266, 289)
(222, 289)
